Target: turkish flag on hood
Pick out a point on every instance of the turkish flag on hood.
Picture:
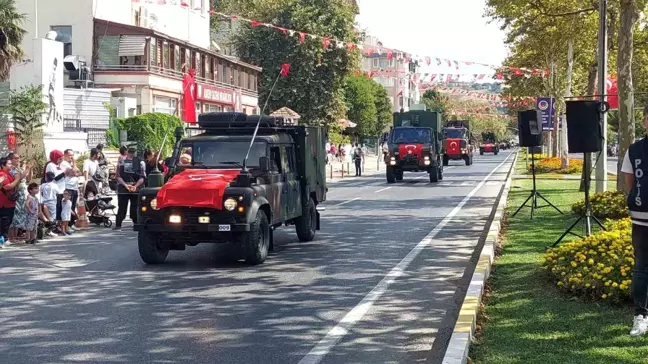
(196, 188)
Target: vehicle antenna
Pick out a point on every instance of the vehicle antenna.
(285, 68)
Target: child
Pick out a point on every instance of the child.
(66, 213)
(31, 206)
(49, 190)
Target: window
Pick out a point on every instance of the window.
(107, 51)
(186, 62)
(228, 154)
(64, 35)
(166, 55)
(197, 64)
(376, 62)
(153, 55)
(164, 105)
(177, 61)
(275, 159)
(289, 159)
(206, 61)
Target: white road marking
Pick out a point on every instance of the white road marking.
(325, 345)
(384, 189)
(346, 202)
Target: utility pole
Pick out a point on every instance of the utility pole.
(601, 164)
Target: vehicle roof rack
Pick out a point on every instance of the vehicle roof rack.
(221, 120)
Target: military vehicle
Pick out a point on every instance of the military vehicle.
(235, 183)
(457, 142)
(489, 143)
(413, 145)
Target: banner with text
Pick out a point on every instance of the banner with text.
(545, 108)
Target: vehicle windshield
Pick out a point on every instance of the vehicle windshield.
(411, 135)
(220, 154)
(454, 134)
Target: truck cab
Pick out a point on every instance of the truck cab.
(413, 145)
(214, 194)
(457, 142)
(489, 144)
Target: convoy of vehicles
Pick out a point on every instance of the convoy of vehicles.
(457, 142)
(413, 145)
(229, 185)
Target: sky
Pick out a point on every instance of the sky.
(447, 29)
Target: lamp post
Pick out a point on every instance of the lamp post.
(601, 164)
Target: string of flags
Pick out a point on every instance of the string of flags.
(477, 114)
(379, 49)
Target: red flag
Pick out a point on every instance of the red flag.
(326, 42)
(11, 140)
(390, 54)
(184, 4)
(255, 23)
(612, 90)
(189, 97)
(428, 60)
(302, 37)
(285, 68)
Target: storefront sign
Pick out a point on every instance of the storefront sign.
(215, 95)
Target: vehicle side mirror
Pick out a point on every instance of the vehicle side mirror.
(264, 164)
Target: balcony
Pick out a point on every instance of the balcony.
(127, 55)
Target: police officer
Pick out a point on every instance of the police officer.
(635, 172)
(130, 179)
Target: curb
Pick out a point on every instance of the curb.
(462, 334)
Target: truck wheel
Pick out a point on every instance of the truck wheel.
(440, 173)
(399, 176)
(446, 160)
(150, 249)
(391, 175)
(256, 242)
(481, 152)
(495, 152)
(434, 174)
(306, 224)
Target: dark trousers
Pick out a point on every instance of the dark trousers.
(59, 206)
(640, 271)
(123, 199)
(6, 217)
(74, 196)
(358, 165)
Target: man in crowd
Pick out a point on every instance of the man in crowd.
(130, 179)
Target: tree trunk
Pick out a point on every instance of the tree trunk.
(627, 19)
(592, 83)
(562, 148)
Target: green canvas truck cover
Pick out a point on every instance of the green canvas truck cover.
(419, 118)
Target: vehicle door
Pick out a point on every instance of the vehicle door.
(276, 190)
(291, 179)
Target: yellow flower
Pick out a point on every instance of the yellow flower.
(604, 296)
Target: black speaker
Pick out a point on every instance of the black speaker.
(584, 129)
(530, 135)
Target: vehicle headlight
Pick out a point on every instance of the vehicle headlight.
(154, 204)
(393, 158)
(426, 157)
(230, 204)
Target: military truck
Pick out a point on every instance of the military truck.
(413, 145)
(232, 185)
(457, 142)
(489, 143)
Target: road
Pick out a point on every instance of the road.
(379, 285)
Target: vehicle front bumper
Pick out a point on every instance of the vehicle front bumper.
(457, 156)
(192, 228)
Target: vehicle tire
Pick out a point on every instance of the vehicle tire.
(434, 174)
(256, 242)
(391, 175)
(306, 224)
(150, 249)
(495, 152)
(481, 152)
(446, 160)
(399, 176)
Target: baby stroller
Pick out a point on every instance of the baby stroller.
(97, 208)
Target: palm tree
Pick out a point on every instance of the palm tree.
(11, 36)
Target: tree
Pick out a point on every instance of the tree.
(26, 108)
(384, 113)
(434, 101)
(360, 101)
(148, 130)
(11, 36)
(314, 87)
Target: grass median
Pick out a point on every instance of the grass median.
(526, 320)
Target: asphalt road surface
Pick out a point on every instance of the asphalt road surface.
(380, 284)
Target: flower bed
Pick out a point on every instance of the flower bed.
(605, 205)
(597, 267)
(553, 165)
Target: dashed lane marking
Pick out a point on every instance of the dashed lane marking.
(346, 202)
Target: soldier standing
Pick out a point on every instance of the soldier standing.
(634, 169)
(130, 178)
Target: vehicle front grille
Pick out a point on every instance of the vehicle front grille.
(190, 215)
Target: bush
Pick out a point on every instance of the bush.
(553, 165)
(605, 205)
(148, 130)
(597, 267)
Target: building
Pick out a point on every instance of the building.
(396, 72)
(138, 51)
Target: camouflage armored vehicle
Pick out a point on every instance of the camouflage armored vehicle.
(413, 145)
(233, 186)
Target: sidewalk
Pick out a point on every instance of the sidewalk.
(342, 170)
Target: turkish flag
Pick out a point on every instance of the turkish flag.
(181, 189)
(189, 97)
(612, 91)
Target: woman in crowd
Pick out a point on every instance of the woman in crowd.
(20, 212)
(54, 166)
(8, 196)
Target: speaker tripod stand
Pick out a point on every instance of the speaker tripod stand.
(587, 214)
(535, 195)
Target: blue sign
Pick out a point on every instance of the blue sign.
(545, 108)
